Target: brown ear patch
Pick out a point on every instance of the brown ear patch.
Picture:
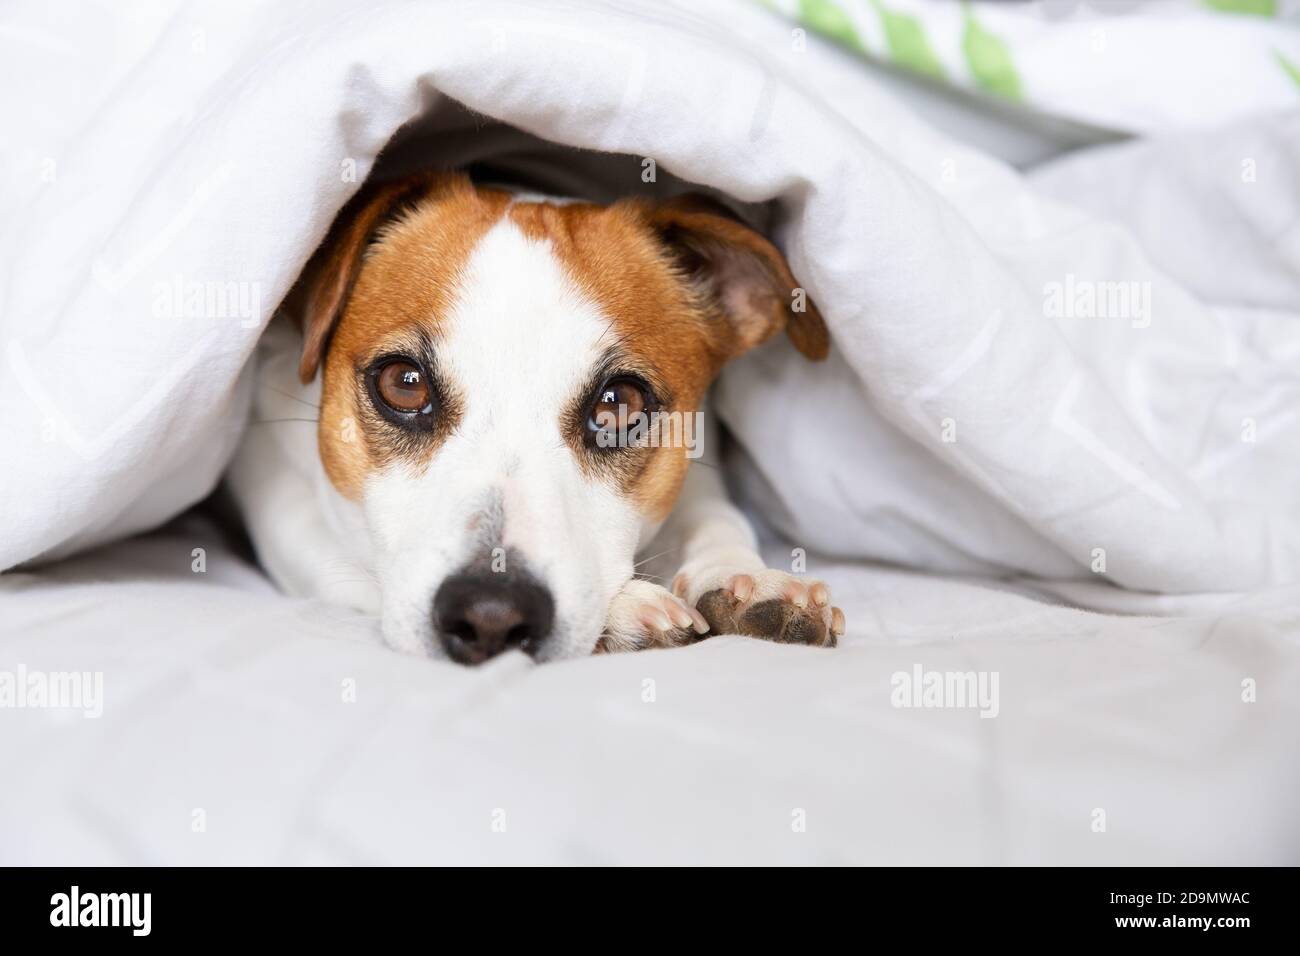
(740, 272)
(617, 261)
(331, 273)
(631, 257)
(404, 278)
(393, 261)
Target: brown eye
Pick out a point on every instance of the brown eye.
(616, 407)
(403, 387)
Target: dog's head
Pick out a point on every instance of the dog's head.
(498, 378)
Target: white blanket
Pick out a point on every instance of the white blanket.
(973, 418)
(1087, 374)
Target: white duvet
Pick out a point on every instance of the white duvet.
(1079, 382)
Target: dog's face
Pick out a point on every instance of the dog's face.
(485, 364)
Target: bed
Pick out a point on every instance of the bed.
(1082, 516)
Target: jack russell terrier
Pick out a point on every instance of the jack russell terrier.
(493, 375)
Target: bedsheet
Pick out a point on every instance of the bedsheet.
(1031, 391)
(239, 726)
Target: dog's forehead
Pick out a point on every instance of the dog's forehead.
(518, 321)
(537, 290)
(475, 248)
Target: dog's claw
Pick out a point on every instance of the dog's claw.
(768, 604)
(645, 615)
(655, 618)
(795, 593)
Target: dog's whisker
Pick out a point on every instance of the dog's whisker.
(620, 337)
(655, 556)
(273, 421)
(706, 464)
(343, 570)
(290, 395)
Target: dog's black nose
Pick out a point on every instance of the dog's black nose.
(479, 614)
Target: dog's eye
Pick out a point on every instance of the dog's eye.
(403, 387)
(616, 407)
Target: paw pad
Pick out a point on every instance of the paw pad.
(796, 614)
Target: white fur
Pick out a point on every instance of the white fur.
(311, 540)
(519, 346)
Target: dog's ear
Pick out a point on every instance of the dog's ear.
(740, 273)
(322, 292)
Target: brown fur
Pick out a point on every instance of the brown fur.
(686, 287)
(616, 260)
(401, 247)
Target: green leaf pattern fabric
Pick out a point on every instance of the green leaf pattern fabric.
(1258, 8)
(989, 59)
(975, 44)
(905, 37)
(828, 19)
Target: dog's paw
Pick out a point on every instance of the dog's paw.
(644, 614)
(769, 604)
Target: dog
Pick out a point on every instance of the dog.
(491, 373)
